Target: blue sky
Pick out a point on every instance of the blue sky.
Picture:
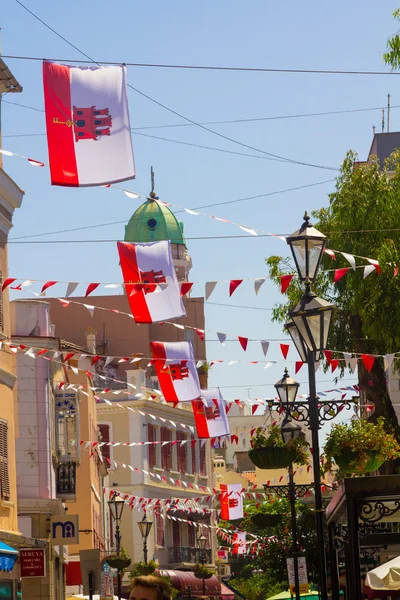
(340, 35)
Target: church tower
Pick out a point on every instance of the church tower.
(153, 222)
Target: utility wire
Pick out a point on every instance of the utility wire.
(231, 121)
(180, 115)
(194, 67)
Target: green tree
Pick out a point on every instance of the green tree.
(392, 56)
(362, 219)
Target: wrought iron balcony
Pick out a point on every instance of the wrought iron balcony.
(66, 480)
(185, 554)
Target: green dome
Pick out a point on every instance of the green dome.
(153, 222)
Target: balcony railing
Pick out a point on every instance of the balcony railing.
(189, 555)
(66, 480)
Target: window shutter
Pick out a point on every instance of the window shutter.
(181, 451)
(166, 456)
(203, 470)
(160, 530)
(191, 536)
(151, 435)
(4, 478)
(1, 303)
(194, 462)
(105, 437)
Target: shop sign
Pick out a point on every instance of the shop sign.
(32, 562)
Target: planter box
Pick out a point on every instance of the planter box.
(272, 457)
(344, 460)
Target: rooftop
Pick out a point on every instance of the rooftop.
(153, 222)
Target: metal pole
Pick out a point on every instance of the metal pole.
(292, 499)
(334, 564)
(118, 544)
(91, 590)
(145, 550)
(319, 516)
(203, 562)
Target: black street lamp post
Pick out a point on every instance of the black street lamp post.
(116, 505)
(202, 541)
(145, 528)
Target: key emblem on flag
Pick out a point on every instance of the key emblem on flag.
(153, 278)
(89, 123)
(178, 371)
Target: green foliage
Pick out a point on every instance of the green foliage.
(201, 572)
(119, 561)
(361, 219)
(272, 554)
(392, 56)
(259, 586)
(360, 436)
(272, 436)
(141, 568)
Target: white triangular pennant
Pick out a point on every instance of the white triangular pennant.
(258, 283)
(221, 337)
(71, 288)
(108, 360)
(90, 308)
(210, 287)
(368, 270)
(264, 346)
(350, 258)
(268, 365)
(388, 360)
(353, 364)
(316, 365)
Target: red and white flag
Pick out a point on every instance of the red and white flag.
(87, 123)
(210, 414)
(176, 371)
(150, 281)
(231, 501)
(239, 542)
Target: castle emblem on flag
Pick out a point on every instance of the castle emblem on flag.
(178, 371)
(153, 278)
(89, 123)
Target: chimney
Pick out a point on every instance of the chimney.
(91, 340)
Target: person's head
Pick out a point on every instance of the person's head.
(150, 587)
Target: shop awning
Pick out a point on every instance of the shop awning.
(8, 557)
(181, 580)
(385, 577)
(226, 593)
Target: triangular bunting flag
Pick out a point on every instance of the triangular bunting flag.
(375, 264)
(233, 285)
(388, 360)
(264, 346)
(47, 285)
(7, 282)
(210, 287)
(243, 342)
(91, 287)
(285, 282)
(186, 286)
(200, 333)
(221, 337)
(71, 288)
(350, 258)
(334, 365)
(368, 270)
(328, 356)
(298, 366)
(339, 273)
(353, 364)
(284, 350)
(368, 361)
(258, 283)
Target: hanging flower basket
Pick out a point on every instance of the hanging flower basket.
(118, 562)
(348, 463)
(202, 572)
(266, 520)
(272, 457)
(360, 447)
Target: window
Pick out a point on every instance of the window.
(176, 534)
(194, 462)
(166, 455)
(160, 529)
(189, 336)
(203, 469)
(4, 478)
(191, 536)
(151, 437)
(66, 425)
(181, 452)
(104, 430)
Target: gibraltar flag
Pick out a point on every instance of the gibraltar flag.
(145, 268)
(231, 501)
(210, 414)
(239, 542)
(176, 371)
(87, 122)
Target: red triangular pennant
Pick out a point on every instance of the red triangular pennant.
(7, 282)
(243, 342)
(254, 408)
(328, 356)
(186, 286)
(368, 361)
(334, 365)
(200, 333)
(339, 273)
(233, 285)
(91, 288)
(284, 350)
(47, 285)
(298, 365)
(285, 282)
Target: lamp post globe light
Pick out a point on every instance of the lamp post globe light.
(116, 505)
(311, 320)
(202, 541)
(287, 388)
(145, 528)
